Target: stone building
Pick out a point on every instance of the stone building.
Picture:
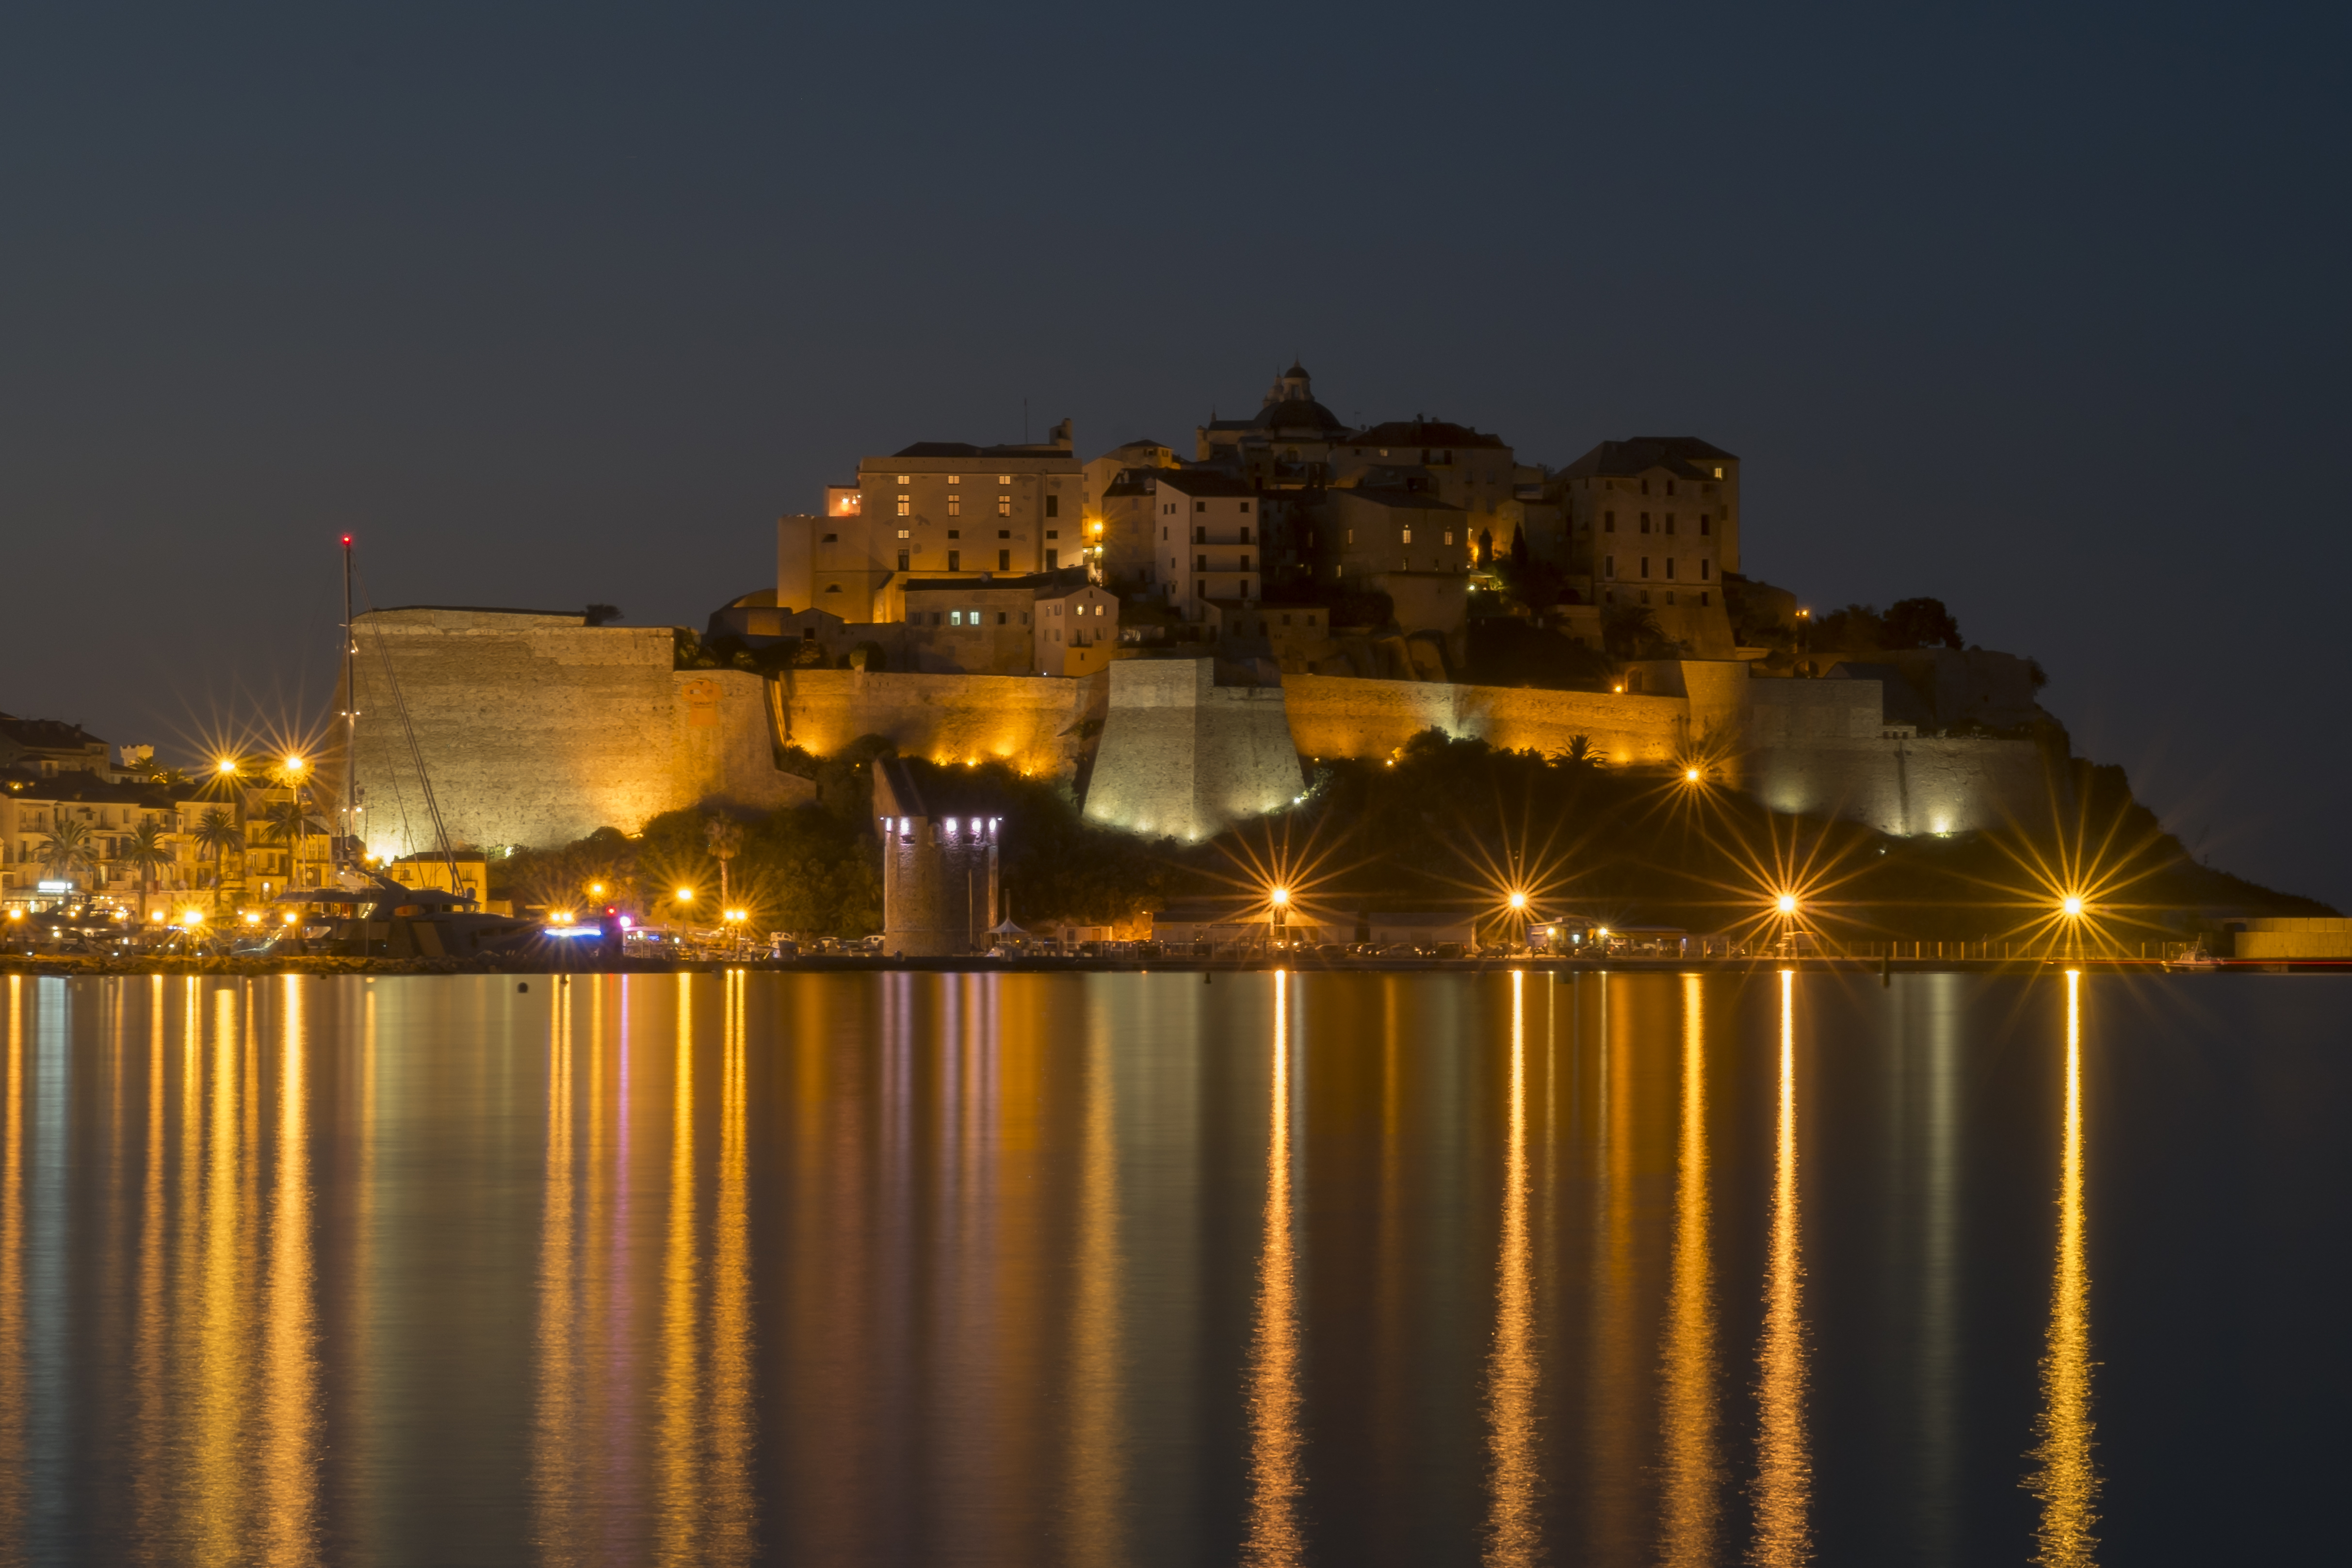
(939, 864)
(1654, 523)
(47, 746)
(1212, 538)
(1467, 469)
(935, 509)
(1287, 444)
(1049, 624)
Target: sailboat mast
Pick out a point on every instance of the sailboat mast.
(350, 712)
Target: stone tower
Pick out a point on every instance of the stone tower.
(938, 871)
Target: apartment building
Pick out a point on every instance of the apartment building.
(1211, 538)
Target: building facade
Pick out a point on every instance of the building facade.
(938, 508)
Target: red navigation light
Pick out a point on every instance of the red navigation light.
(347, 539)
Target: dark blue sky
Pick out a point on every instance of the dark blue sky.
(2039, 309)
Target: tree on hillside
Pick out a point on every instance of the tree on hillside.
(1919, 624)
(1631, 631)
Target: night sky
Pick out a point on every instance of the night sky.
(2041, 309)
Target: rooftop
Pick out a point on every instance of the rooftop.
(1420, 431)
(1679, 455)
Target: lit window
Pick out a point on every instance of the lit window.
(955, 506)
(905, 478)
(955, 479)
(955, 617)
(1004, 478)
(905, 507)
(905, 533)
(1003, 505)
(1449, 535)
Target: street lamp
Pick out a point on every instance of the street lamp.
(1786, 903)
(2073, 906)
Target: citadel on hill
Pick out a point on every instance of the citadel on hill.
(1182, 636)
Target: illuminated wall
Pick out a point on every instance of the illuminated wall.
(1336, 715)
(1035, 722)
(538, 730)
(1183, 757)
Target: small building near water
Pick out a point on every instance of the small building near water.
(939, 864)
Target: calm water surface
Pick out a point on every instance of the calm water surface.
(1109, 1268)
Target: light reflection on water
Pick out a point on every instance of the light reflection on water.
(1085, 1269)
(2067, 1481)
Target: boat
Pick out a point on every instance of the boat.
(2192, 959)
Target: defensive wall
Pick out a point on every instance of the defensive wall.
(1182, 755)
(537, 728)
(1037, 723)
(2307, 937)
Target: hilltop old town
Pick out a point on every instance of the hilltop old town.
(1178, 639)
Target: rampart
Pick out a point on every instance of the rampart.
(539, 728)
(1182, 755)
(1037, 723)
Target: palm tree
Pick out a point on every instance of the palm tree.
(218, 832)
(1582, 753)
(289, 825)
(67, 849)
(146, 850)
(726, 837)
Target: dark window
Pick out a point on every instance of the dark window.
(1670, 522)
(1702, 601)
(1608, 566)
(1670, 486)
(955, 533)
(1645, 567)
(1052, 533)
(1000, 618)
(935, 617)
(1703, 530)
(1053, 506)
(1704, 573)
(1004, 561)
(1245, 563)
(1052, 560)
(1646, 486)
(1203, 564)
(1004, 533)
(903, 559)
(1200, 536)
(1670, 567)
(1608, 522)
(1645, 522)
(832, 538)
(1199, 506)
(808, 633)
(1245, 508)
(955, 561)
(1245, 538)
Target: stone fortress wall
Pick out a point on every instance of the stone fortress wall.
(1181, 756)
(539, 728)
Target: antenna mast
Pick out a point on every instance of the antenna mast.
(351, 714)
